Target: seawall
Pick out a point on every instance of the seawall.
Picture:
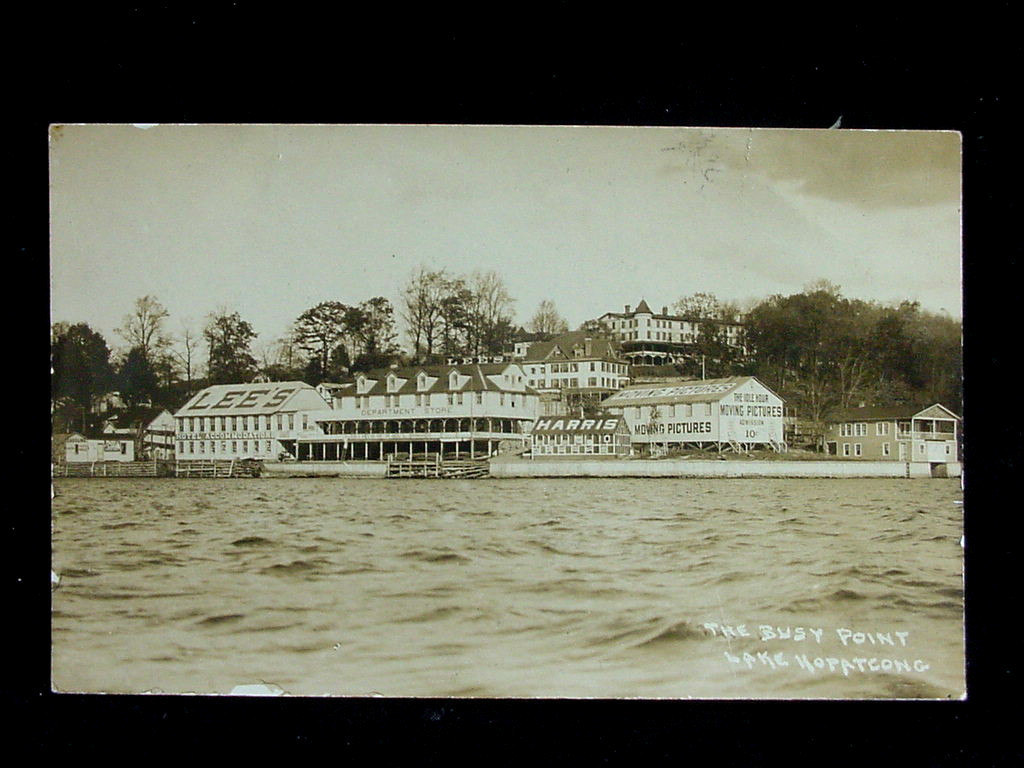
(715, 468)
(636, 468)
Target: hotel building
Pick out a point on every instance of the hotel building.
(894, 434)
(648, 338)
(738, 412)
(574, 369)
(457, 411)
(257, 420)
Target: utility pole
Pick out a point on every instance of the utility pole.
(702, 373)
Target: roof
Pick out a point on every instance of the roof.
(565, 425)
(253, 399)
(644, 309)
(478, 374)
(562, 348)
(890, 412)
(695, 391)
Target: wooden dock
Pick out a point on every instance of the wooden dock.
(153, 468)
(440, 469)
(218, 468)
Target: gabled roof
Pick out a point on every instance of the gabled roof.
(569, 425)
(253, 399)
(478, 374)
(696, 391)
(891, 412)
(642, 308)
(562, 348)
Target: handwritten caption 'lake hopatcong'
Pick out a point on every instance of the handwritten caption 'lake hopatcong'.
(860, 651)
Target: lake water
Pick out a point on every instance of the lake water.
(510, 588)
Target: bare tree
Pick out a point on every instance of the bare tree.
(423, 308)
(144, 327)
(546, 320)
(491, 313)
(187, 350)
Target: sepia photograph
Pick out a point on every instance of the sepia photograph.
(506, 411)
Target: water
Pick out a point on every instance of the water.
(508, 588)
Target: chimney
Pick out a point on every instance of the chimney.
(664, 310)
(627, 309)
(587, 347)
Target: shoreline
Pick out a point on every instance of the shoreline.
(689, 468)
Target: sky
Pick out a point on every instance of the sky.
(271, 220)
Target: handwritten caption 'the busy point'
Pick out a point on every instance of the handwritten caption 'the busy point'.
(860, 651)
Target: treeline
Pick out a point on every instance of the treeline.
(161, 367)
(819, 350)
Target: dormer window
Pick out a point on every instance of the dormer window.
(361, 384)
(421, 382)
(453, 380)
(392, 382)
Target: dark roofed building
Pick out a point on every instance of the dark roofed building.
(575, 369)
(894, 433)
(653, 338)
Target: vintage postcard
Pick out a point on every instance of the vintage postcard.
(506, 412)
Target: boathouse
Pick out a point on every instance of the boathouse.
(897, 433)
(457, 411)
(737, 413)
(235, 421)
(603, 435)
(79, 449)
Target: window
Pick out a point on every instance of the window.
(458, 398)
(861, 429)
(857, 449)
(882, 428)
(846, 449)
(305, 421)
(886, 449)
(268, 446)
(234, 446)
(949, 449)
(479, 397)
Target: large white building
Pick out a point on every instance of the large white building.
(650, 338)
(738, 412)
(458, 411)
(256, 420)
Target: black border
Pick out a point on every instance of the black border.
(240, 62)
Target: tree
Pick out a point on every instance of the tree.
(80, 360)
(699, 306)
(144, 327)
(547, 321)
(491, 327)
(422, 306)
(317, 332)
(186, 351)
(228, 339)
(137, 379)
(595, 328)
(371, 325)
